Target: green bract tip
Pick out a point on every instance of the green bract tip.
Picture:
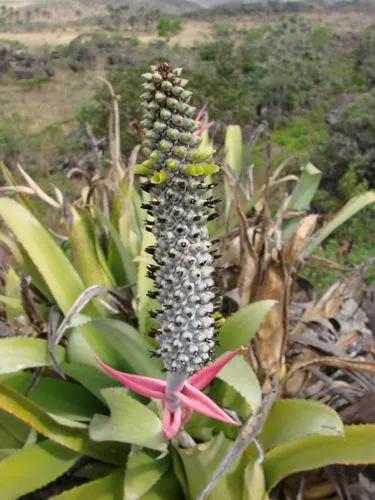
(201, 169)
(159, 177)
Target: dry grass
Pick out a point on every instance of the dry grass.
(38, 39)
(196, 31)
(54, 102)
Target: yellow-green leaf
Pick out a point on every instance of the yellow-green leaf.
(254, 482)
(302, 196)
(33, 467)
(143, 470)
(59, 274)
(356, 447)
(106, 488)
(308, 417)
(84, 250)
(18, 353)
(201, 461)
(233, 148)
(73, 438)
(57, 397)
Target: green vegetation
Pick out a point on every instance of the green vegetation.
(168, 27)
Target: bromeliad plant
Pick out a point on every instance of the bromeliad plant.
(184, 274)
(69, 308)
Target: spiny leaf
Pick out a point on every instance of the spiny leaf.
(201, 461)
(238, 374)
(130, 422)
(143, 470)
(107, 488)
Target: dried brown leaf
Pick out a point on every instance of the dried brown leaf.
(299, 240)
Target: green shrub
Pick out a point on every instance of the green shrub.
(168, 27)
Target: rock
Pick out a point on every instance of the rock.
(49, 71)
(23, 73)
(4, 67)
(113, 59)
(4, 51)
(75, 66)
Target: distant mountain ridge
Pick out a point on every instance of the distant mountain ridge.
(169, 7)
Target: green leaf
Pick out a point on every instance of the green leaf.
(233, 148)
(254, 200)
(302, 195)
(241, 327)
(305, 189)
(60, 276)
(351, 208)
(31, 468)
(356, 447)
(106, 488)
(129, 268)
(167, 488)
(291, 419)
(131, 347)
(17, 431)
(18, 353)
(130, 422)
(85, 258)
(6, 452)
(201, 461)
(72, 438)
(12, 302)
(238, 374)
(57, 397)
(23, 262)
(254, 482)
(144, 284)
(91, 377)
(143, 470)
(233, 158)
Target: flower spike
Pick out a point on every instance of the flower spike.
(176, 169)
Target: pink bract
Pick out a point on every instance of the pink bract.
(190, 396)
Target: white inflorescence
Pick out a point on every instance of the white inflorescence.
(184, 274)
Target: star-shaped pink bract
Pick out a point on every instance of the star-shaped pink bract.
(185, 400)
